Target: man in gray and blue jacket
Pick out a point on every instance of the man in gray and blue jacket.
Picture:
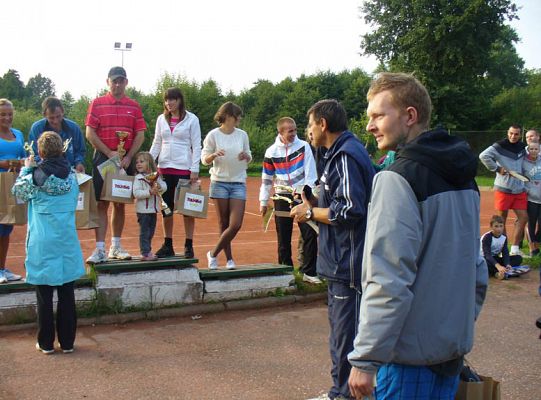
(503, 157)
(423, 280)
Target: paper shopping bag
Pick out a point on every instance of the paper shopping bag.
(486, 389)
(117, 188)
(12, 210)
(191, 202)
(86, 214)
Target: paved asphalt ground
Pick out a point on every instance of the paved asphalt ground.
(273, 353)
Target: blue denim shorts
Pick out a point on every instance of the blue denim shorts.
(227, 190)
(5, 230)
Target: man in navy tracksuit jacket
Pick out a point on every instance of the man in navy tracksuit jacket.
(341, 212)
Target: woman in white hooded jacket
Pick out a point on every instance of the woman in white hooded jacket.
(177, 149)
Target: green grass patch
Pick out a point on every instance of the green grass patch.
(484, 180)
(307, 288)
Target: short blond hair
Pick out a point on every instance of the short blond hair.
(406, 91)
(283, 121)
(6, 102)
(50, 145)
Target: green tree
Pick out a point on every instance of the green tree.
(23, 120)
(11, 87)
(37, 89)
(67, 101)
(520, 105)
(447, 44)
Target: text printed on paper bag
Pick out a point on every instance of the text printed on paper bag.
(194, 202)
(80, 201)
(121, 188)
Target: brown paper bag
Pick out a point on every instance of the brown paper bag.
(86, 214)
(12, 210)
(191, 202)
(117, 188)
(486, 389)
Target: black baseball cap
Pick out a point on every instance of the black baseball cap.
(117, 72)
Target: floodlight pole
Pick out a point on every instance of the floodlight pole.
(127, 47)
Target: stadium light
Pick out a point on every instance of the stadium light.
(127, 47)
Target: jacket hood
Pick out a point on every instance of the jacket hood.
(341, 145)
(278, 142)
(517, 148)
(57, 166)
(446, 155)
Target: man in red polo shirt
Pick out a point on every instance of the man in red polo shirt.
(107, 115)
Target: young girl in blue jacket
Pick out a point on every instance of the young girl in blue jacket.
(53, 252)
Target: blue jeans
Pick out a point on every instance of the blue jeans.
(5, 230)
(397, 381)
(147, 225)
(227, 190)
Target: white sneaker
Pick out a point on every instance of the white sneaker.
(48, 352)
(213, 262)
(98, 256)
(311, 279)
(10, 276)
(323, 396)
(519, 253)
(118, 253)
(230, 264)
(3, 278)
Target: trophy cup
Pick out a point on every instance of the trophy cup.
(66, 145)
(152, 178)
(121, 135)
(30, 150)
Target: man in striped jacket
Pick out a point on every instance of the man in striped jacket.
(289, 162)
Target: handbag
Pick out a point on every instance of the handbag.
(473, 386)
(86, 213)
(12, 210)
(191, 202)
(117, 188)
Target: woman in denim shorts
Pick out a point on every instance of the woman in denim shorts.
(228, 150)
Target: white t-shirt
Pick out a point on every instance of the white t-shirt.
(227, 168)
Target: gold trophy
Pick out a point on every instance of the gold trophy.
(121, 135)
(30, 150)
(152, 178)
(66, 145)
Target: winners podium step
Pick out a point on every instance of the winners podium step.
(122, 286)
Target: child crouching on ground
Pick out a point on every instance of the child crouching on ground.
(147, 188)
(494, 250)
(53, 253)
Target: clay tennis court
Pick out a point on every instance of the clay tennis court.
(252, 245)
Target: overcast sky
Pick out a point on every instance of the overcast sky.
(234, 42)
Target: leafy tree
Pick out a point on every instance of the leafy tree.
(24, 118)
(67, 101)
(520, 105)
(447, 44)
(11, 87)
(37, 89)
(261, 102)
